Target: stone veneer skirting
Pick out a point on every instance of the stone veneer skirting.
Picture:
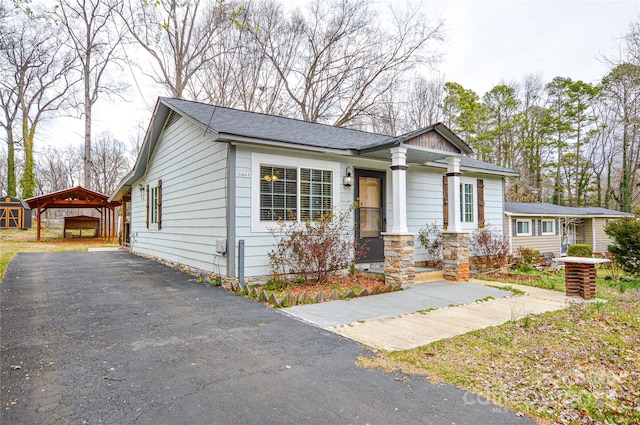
(399, 263)
(455, 256)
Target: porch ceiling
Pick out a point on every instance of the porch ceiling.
(415, 154)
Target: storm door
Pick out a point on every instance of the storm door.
(370, 219)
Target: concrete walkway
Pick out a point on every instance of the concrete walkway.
(392, 321)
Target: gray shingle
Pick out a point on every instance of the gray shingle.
(270, 127)
(541, 208)
(296, 132)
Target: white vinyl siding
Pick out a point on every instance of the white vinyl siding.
(193, 172)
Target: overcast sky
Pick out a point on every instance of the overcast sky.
(493, 40)
(488, 41)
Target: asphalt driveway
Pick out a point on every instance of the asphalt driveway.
(107, 337)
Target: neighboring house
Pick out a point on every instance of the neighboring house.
(207, 177)
(552, 228)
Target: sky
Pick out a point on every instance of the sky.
(487, 42)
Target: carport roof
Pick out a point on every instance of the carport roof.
(76, 197)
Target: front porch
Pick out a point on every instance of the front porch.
(399, 267)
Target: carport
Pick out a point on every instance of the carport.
(78, 197)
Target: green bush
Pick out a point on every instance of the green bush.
(529, 256)
(580, 250)
(626, 243)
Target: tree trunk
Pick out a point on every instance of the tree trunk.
(11, 165)
(87, 120)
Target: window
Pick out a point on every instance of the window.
(523, 227)
(278, 188)
(290, 193)
(547, 227)
(289, 188)
(467, 211)
(154, 205)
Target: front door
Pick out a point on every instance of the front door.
(370, 220)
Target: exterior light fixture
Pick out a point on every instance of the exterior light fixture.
(347, 180)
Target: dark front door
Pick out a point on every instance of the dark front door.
(370, 220)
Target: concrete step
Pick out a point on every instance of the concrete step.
(423, 274)
(428, 275)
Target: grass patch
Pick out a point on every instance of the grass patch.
(15, 241)
(577, 365)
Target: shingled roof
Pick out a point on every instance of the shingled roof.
(545, 209)
(227, 121)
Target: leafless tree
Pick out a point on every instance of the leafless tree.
(337, 59)
(243, 77)
(59, 168)
(36, 81)
(110, 163)
(95, 38)
(180, 37)
(423, 103)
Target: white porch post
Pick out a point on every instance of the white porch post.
(399, 244)
(399, 176)
(453, 177)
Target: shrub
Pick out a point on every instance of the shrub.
(491, 247)
(430, 238)
(313, 251)
(529, 256)
(579, 250)
(626, 243)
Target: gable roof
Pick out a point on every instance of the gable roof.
(75, 197)
(234, 122)
(236, 126)
(545, 209)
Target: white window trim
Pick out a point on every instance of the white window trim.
(530, 227)
(553, 227)
(258, 159)
(471, 225)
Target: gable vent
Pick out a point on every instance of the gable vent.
(173, 118)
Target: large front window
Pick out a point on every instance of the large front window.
(295, 193)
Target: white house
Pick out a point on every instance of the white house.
(208, 177)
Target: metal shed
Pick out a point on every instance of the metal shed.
(14, 214)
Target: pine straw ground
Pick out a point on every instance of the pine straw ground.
(580, 365)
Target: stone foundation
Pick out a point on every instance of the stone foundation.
(455, 256)
(399, 264)
(580, 280)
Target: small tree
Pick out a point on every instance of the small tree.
(430, 238)
(313, 251)
(626, 247)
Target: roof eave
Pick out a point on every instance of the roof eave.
(236, 139)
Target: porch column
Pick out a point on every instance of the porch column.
(455, 253)
(399, 177)
(399, 244)
(453, 179)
